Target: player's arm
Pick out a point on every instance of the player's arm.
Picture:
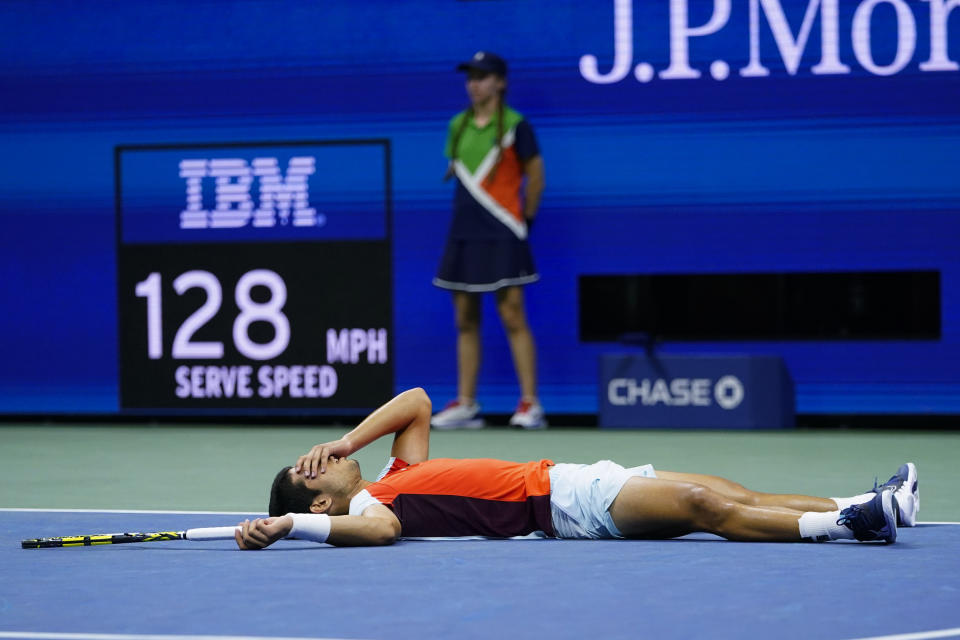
(407, 415)
(377, 526)
(533, 169)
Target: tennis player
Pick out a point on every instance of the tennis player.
(494, 155)
(324, 498)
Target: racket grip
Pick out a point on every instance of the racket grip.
(211, 533)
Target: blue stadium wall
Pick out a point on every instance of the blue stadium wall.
(818, 135)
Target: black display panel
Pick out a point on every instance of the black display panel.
(285, 306)
(900, 305)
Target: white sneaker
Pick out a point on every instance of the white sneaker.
(907, 492)
(457, 415)
(529, 415)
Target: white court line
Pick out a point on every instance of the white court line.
(920, 635)
(223, 513)
(40, 635)
(218, 513)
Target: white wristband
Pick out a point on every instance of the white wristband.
(310, 526)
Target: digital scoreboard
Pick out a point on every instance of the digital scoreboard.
(254, 277)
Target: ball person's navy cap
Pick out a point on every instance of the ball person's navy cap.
(485, 61)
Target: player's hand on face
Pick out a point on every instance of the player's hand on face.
(262, 532)
(315, 461)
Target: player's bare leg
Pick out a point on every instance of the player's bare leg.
(467, 317)
(510, 305)
(660, 508)
(741, 494)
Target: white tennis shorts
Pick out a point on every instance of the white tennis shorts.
(581, 494)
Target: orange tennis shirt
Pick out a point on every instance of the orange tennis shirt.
(467, 497)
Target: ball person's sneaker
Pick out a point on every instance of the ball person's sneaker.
(907, 490)
(874, 520)
(457, 415)
(528, 415)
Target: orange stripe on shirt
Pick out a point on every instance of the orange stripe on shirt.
(482, 478)
(507, 183)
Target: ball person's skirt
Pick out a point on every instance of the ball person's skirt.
(479, 265)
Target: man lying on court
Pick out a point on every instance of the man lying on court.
(325, 499)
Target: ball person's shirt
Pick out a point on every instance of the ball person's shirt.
(488, 202)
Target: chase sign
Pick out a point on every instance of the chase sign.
(734, 392)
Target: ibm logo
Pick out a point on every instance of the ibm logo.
(282, 199)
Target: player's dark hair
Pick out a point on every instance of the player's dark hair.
(289, 497)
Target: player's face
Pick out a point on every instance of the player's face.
(483, 87)
(341, 474)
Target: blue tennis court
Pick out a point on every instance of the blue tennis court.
(699, 586)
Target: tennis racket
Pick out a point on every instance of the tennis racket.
(203, 533)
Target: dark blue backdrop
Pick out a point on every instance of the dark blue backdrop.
(854, 168)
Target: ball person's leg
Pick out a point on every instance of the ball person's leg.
(510, 305)
(467, 317)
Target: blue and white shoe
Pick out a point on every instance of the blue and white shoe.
(907, 491)
(874, 520)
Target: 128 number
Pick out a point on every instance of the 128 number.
(184, 347)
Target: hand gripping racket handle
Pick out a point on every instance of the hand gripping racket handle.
(210, 533)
